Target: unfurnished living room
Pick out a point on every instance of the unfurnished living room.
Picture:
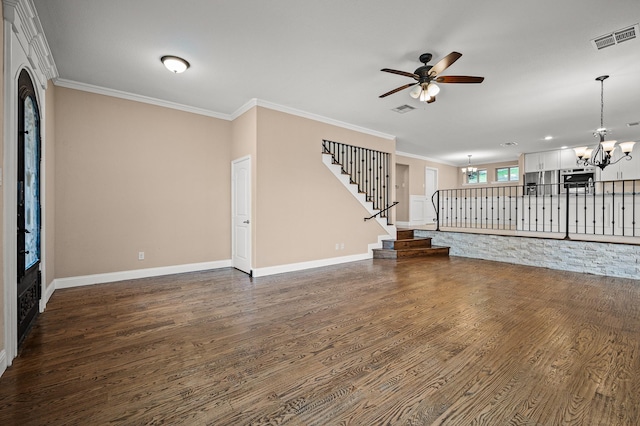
(319, 213)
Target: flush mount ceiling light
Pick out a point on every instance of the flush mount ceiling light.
(175, 64)
(601, 155)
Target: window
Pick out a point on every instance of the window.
(508, 174)
(478, 177)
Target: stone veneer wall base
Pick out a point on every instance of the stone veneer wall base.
(610, 259)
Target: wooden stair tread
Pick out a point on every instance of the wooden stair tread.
(408, 245)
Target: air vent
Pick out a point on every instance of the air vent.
(403, 108)
(636, 123)
(615, 37)
(506, 144)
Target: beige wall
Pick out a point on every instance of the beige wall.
(133, 177)
(49, 154)
(447, 175)
(302, 210)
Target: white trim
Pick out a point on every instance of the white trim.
(25, 47)
(292, 267)
(46, 295)
(69, 84)
(421, 157)
(3, 362)
(138, 273)
(311, 116)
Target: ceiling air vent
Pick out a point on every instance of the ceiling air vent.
(615, 37)
(403, 108)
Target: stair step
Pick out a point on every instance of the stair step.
(404, 234)
(418, 242)
(410, 252)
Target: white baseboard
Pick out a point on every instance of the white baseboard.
(47, 295)
(271, 270)
(138, 273)
(403, 224)
(3, 362)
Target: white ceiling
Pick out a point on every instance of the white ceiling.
(324, 57)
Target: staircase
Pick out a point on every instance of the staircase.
(406, 245)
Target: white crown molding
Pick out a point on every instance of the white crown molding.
(421, 157)
(25, 23)
(315, 117)
(70, 84)
(138, 273)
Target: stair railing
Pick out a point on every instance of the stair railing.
(368, 169)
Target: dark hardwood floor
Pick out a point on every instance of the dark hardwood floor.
(416, 341)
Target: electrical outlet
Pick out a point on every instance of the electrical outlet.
(140, 255)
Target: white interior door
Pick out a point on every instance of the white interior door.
(241, 214)
(430, 187)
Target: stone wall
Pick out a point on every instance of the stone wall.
(610, 259)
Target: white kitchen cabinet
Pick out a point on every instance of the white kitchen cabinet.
(624, 169)
(540, 161)
(568, 159)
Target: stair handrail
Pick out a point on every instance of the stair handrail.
(381, 211)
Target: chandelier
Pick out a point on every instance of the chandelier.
(470, 171)
(601, 155)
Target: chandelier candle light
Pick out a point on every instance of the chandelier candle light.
(601, 155)
(469, 170)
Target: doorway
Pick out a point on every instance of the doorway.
(241, 214)
(402, 193)
(28, 207)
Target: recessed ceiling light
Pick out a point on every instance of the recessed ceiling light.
(564, 147)
(509, 144)
(548, 138)
(175, 64)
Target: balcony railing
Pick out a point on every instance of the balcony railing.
(610, 208)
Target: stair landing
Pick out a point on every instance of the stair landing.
(407, 245)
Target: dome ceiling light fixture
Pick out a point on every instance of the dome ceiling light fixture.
(175, 64)
(600, 156)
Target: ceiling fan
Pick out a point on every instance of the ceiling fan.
(427, 75)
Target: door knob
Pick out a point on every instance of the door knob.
(246, 221)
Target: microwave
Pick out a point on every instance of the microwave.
(578, 180)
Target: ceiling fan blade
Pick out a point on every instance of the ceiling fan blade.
(397, 90)
(459, 79)
(444, 63)
(406, 74)
(432, 100)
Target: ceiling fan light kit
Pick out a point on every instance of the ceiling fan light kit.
(601, 155)
(426, 77)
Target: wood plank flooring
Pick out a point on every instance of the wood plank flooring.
(416, 341)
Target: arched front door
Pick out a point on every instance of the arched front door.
(28, 206)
